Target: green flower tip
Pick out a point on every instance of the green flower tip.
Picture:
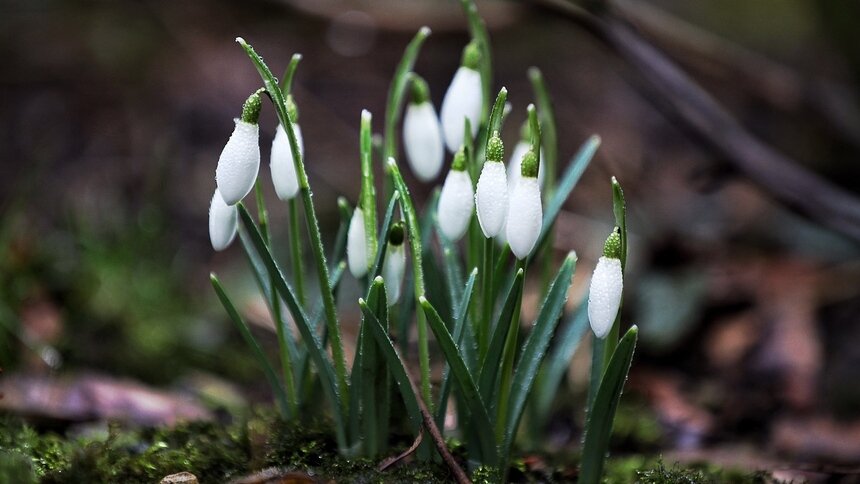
(423, 300)
(292, 109)
(495, 148)
(471, 55)
(251, 108)
(396, 234)
(378, 280)
(612, 247)
(420, 90)
(529, 165)
(459, 163)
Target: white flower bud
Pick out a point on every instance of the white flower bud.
(525, 217)
(462, 100)
(223, 222)
(356, 244)
(239, 162)
(456, 203)
(281, 163)
(422, 139)
(604, 296)
(393, 269)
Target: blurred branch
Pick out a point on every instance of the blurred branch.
(780, 176)
(774, 83)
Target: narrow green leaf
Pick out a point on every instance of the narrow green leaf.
(535, 133)
(478, 31)
(395, 363)
(397, 91)
(571, 176)
(317, 352)
(619, 209)
(459, 326)
(376, 269)
(287, 82)
(549, 134)
(558, 360)
(338, 251)
(497, 114)
(368, 189)
(599, 425)
(491, 365)
(465, 382)
(534, 348)
(240, 324)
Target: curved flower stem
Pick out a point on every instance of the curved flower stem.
(277, 97)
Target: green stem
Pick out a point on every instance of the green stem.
(397, 92)
(487, 298)
(296, 250)
(277, 97)
(508, 362)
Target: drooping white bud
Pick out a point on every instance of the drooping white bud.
(491, 194)
(356, 244)
(394, 265)
(422, 134)
(456, 203)
(464, 99)
(239, 163)
(281, 163)
(525, 217)
(607, 284)
(223, 222)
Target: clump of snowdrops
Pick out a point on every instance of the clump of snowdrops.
(465, 255)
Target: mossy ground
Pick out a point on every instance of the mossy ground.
(218, 453)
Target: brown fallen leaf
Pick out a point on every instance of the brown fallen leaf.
(273, 475)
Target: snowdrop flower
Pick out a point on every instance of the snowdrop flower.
(356, 244)
(464, 99)
(604, 297)
(223, 222)
(457, 200)
(395, 263)
(422, 134)
(491, 196)
(522, 147)
(240, 160)
(525, 215)
(281, 163)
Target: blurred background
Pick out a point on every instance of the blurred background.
(114, 114)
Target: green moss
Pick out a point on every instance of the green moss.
(644, 470)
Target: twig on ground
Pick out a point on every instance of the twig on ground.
(390, 461)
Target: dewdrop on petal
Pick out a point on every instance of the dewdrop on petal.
(394, 265)
(525, 215)
(422, 133)
(491, 195)
(356, 244)
(457, 200)
(604, 297)
(464, 99)
(240, 160)
(281, 162)
(223, 222)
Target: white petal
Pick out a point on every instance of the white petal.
(604, 297)
(281, 163)
(356, 244)
(515, 165)
(422, 139)
(223, 221)
(239, 163)
(456, 203)
(491, 198)
(525, 217)
(462, 100)
(392, 271)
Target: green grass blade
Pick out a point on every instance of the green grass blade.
(395, 363)
(289, 74)
(368, 188)
(497, 114)
(277, 389)
(568, 181)
(558, 361)
(534, 348)
(383, 236)
(278, 100)
(317, 352)
(465, 382)
(549, 134)
(478, 31)
(599, 425)
(397, 91)
(457, 334)
(619, 209)
(493, 360)
(338, 251)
